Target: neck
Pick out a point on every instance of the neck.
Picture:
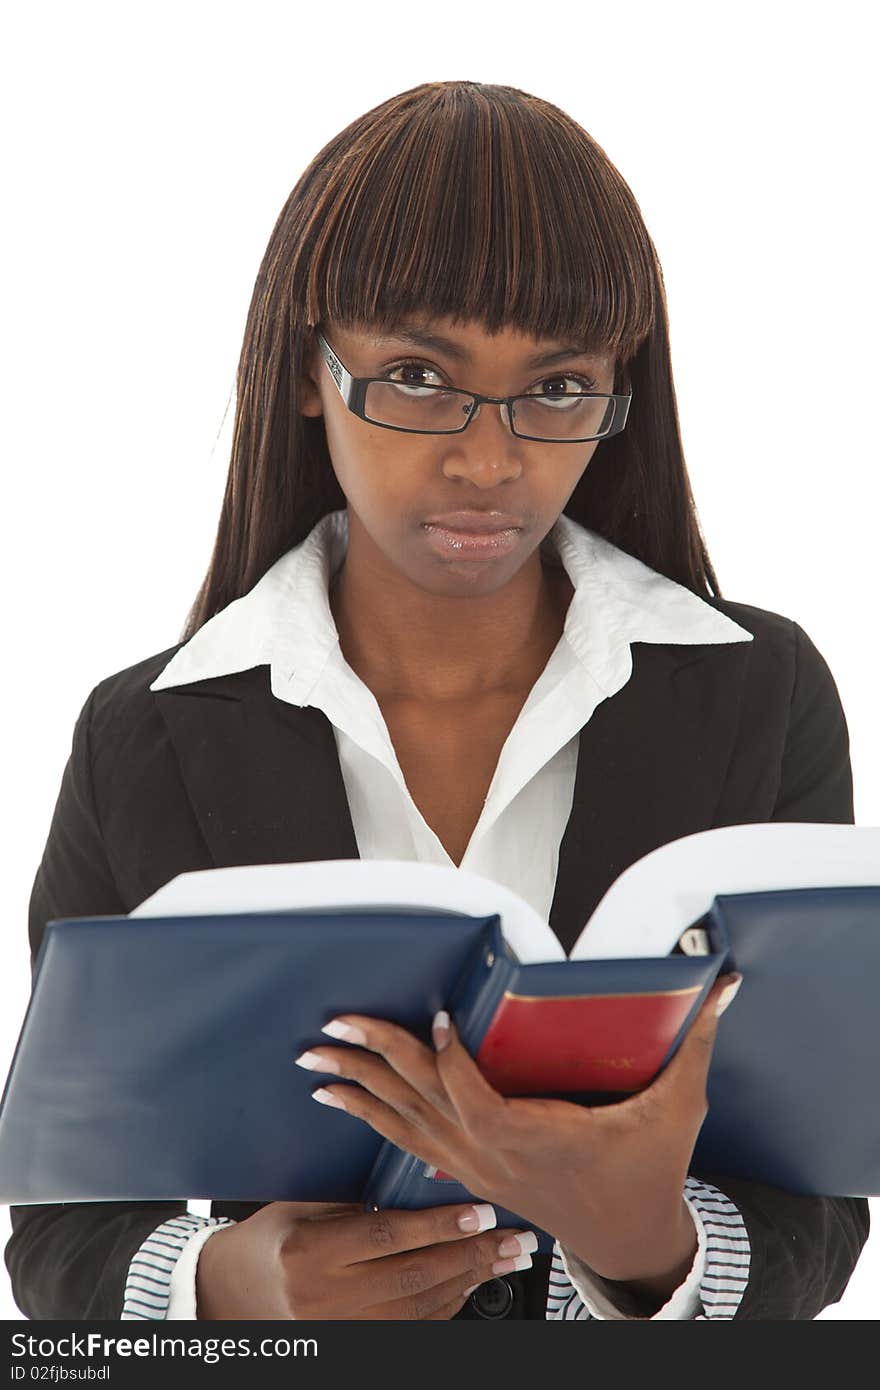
(405, 643)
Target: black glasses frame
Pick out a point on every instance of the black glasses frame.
(353, 390)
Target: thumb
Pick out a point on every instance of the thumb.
(724, 991)
(689, 1067)
(316, 1211)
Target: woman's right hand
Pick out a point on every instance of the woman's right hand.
(320, 1260)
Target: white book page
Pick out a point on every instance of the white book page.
(336, 884)
(646, 909)
(642, 914)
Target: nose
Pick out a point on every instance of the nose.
(486, 447)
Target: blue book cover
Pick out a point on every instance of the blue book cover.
(156, 1058)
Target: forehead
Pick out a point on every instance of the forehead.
(465, 341)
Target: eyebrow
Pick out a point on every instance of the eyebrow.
(422, 337)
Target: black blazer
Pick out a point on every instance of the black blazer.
(222, 772)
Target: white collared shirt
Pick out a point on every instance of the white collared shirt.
(285, 622)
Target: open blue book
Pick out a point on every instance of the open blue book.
(156, 1058)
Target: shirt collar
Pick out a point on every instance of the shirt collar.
(285, 620)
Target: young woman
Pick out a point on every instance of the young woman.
(459, 610)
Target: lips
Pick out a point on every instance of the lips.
(475, 523)
(473, 535)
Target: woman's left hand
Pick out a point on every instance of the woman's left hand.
(606, 1181)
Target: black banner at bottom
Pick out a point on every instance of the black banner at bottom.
(200, 1354)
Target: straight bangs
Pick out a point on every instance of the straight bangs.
(502, 211)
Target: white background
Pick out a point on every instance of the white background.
(149, 149)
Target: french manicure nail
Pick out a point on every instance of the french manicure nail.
(312, 1062)
(727, 995)
(440, 1030)
(479, 1218)
(347, 1031)
(508, 1266)
(328, 1098)
(522, 1244)
(470, 1290)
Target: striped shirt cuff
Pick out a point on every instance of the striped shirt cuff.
(713, 1289)
(154, 1275)
(728, 1251)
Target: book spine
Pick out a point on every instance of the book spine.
(587, 1029)
(714, 964)
(481, 987)
(402, 1180)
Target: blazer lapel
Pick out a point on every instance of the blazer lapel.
(263, 776)
(651, 766)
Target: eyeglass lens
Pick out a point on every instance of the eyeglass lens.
(430, 408)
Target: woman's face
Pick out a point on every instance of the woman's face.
(395, 482)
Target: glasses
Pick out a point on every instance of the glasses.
(573, 418)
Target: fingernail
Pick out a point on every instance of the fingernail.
(347, 1031)
(470, 1290)
(478, 1218)
(727, 995)
(312, 1062)
(328, 1098)
(508, 1266)
(522, 1244)
(440, 1030)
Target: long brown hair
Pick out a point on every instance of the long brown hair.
(477, 202)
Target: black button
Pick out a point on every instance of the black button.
(494, 1299)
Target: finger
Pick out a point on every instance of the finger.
(379, 1080)
(430, 1305)
(316, 1211)
(414, 1276)
(403, 1310)
(720, 995)
(456, 1296)
(319, 1208)
(434, 1305)
(411, 1059)
(478, 1106)
(727, 992)
(423, 1133)
(688, 1071)
(370, 1235)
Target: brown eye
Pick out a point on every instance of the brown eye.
(579, 384)
(412, 370)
